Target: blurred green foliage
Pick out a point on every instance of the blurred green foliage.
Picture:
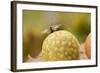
(75, 22)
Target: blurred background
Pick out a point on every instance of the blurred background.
(36, 26)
